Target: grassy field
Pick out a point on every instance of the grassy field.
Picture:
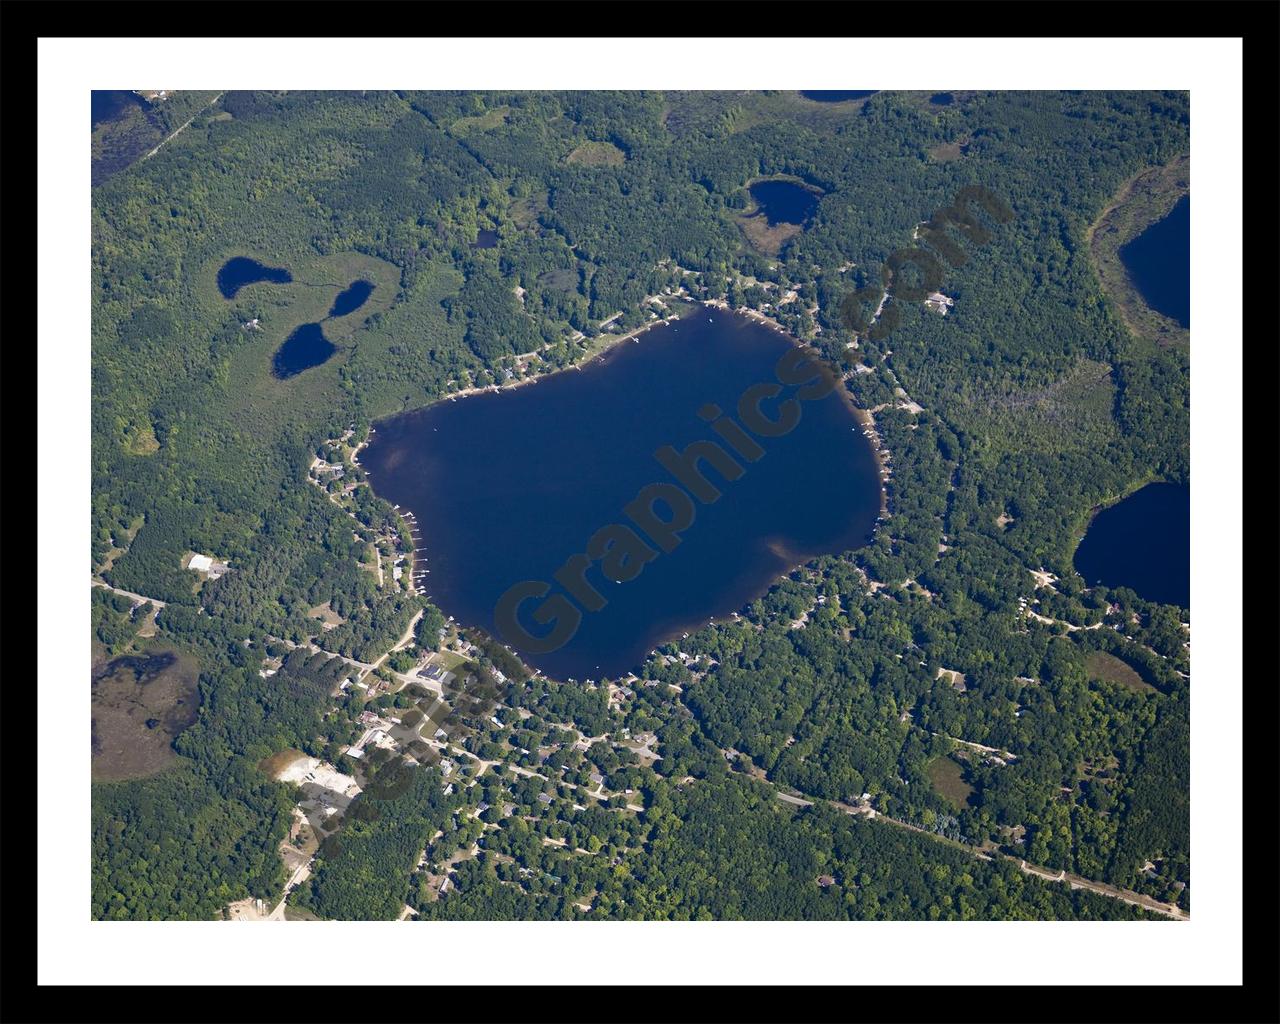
(948, 151)
(139, 706)
(1108, 668)
(450, 660)
(464, 126)
(597, 154)
(948, 781)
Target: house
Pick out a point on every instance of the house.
(939, 303)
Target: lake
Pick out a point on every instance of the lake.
(1159, 263)
(108, 104)
(836, 96)
(304, 348)
(240, 271)
(507, 486)
(486, 239)
(784, 202)
(352, 299)
(1144, 543)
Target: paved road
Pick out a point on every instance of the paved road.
(127, 593)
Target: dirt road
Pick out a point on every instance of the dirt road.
(180, 129)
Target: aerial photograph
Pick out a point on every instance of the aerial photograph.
(639, 505)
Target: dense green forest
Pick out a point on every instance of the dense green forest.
(1007, 422)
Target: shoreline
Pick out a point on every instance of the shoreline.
(613, 342)
(1143, 200)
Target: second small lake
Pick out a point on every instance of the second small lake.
(240, 271)
(1143, 543)
(304, 348)
(1159, 263)
(352, 299)
(784, 202)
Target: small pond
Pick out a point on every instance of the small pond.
(240, 271)
(486, 239)
(352, 299)
(304, 348)
(784, 202)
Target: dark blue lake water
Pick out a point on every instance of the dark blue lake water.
(1143, 543)
(304, 348)
(486, 239)
(352, 299)
(1159, 263)
(836, 96)
(784, 202)
(108, 104)
(240, 271)
(507, 486)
